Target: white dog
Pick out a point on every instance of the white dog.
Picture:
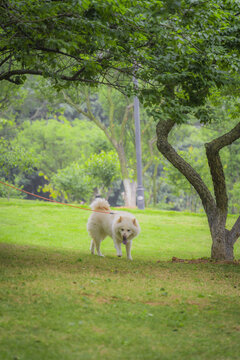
(122, 227)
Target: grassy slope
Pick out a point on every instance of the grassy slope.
(58, 302)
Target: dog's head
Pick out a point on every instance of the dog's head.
(127, 228)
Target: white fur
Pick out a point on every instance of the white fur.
(121, 226)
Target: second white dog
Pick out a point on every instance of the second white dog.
(122, 227)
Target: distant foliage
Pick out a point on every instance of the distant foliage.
(71, 183)
(14, 161)
(56, 144)
(103, 169)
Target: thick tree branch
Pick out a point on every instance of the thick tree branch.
(234, 233)
(163, 129)
(215, 165)
(9, 76)
(226, 139)
(218, 178)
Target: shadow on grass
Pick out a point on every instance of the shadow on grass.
(72, 261)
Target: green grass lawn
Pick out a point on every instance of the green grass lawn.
(59, 302)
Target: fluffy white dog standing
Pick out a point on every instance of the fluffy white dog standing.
(122, 227)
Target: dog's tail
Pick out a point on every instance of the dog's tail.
(100, 204)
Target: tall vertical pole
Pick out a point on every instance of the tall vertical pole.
(140, 188)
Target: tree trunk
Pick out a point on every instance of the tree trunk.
(222, 248)
(130, 188)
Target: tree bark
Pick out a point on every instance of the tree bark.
(216, 208)
(130, 188)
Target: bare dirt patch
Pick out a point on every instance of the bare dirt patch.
(204, 261)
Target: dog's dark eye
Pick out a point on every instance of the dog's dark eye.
(122, 229)
(128, 230)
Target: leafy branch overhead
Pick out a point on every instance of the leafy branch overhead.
(181, 48)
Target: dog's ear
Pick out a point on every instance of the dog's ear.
(135, 222)
(119, 220)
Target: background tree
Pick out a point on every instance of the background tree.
(112, 119)
(71, 183)
(57, 144)
(103, 169)
(113, 114)
(13, 162)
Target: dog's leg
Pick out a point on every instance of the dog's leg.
(92, 247)
(118, 247)
(97, 244)
(128, 249)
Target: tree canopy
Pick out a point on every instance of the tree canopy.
(179, 49)
(79, 41)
